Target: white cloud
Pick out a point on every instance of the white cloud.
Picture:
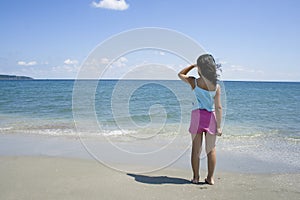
(65, 69)
(239, 68)
(104, 61)
(111, 4)
(70, 62)
(239, 72)
(121, 62)
(23, 63)
(161, 53)
(151, 72)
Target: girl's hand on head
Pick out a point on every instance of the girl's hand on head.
(219, 132)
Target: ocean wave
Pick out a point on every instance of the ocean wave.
(5, 129)
(168, 130)
(292, 139)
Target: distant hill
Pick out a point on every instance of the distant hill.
(14, 77)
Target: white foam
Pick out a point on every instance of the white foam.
(5, 128)
(118, 132)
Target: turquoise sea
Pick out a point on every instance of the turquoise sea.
(45, 106)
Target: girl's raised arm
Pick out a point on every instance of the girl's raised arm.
(188, 79)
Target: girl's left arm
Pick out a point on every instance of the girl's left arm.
(218, 110)
(188, 79)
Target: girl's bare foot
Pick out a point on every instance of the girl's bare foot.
(209, 181)
(195, 180)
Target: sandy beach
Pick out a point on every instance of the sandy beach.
(27, 177)
(101, 100)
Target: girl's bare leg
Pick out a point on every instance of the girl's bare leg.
(210, 141)
(195, 156)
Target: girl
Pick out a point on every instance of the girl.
(206, 114)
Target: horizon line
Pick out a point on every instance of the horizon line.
(116, 79)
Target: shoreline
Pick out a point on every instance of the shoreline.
(42, 177)
(232, 156)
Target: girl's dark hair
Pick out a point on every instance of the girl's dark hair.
(208, 67)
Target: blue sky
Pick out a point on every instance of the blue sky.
(254, 40)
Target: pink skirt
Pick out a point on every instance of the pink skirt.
(203, 121)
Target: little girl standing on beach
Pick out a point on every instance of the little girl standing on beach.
(206, 114)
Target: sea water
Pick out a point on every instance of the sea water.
(261, 119)
(252, 108)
